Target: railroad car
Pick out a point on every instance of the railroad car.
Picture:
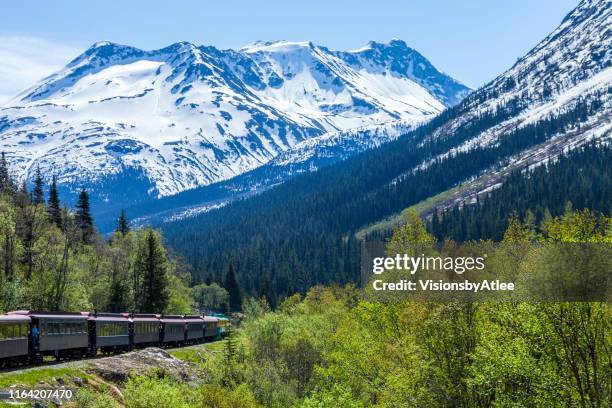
(146, 329)
(211, 327)
(173, 330)
(224, 324)
(108, 332)
(14, 342)
(195, 329)
(61, 334)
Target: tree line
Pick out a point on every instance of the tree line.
(578, 179)
(301, 233)
(52, 257)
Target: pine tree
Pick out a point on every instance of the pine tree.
(38, 196)
(123, 225)
(152, 266)
(229, 367)
(232, 287)
(6, 183)
(83, 217)
(53, 208)
(118, 296)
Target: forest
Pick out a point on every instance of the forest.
(52, 258)
(335, 347)
(580, 179)
(301, 233)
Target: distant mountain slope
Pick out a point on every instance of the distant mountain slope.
(307, 156)
(552, 100)
(581, 178)
(160, 122)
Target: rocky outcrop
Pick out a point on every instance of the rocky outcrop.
(153, 360)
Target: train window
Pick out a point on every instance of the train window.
(116, 329)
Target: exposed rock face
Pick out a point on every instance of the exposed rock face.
(118, 368)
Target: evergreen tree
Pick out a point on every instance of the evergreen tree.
(6, 183)
(118, 296)
(229, 367)
(53, 208)
(152, 266)
(231, 285)
(38, 196)
(83, 217)
(123, 225)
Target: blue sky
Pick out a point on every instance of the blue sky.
(472, 40)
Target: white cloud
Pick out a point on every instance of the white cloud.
(26, 60)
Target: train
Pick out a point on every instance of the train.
(74, 335)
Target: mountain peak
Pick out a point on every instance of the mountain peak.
(104, 51)
(393, 43)
(375, 45)
(276, 46)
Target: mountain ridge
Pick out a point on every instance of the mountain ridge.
(184, 116)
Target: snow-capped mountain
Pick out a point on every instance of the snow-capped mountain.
(133, 124)
(567, 77)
